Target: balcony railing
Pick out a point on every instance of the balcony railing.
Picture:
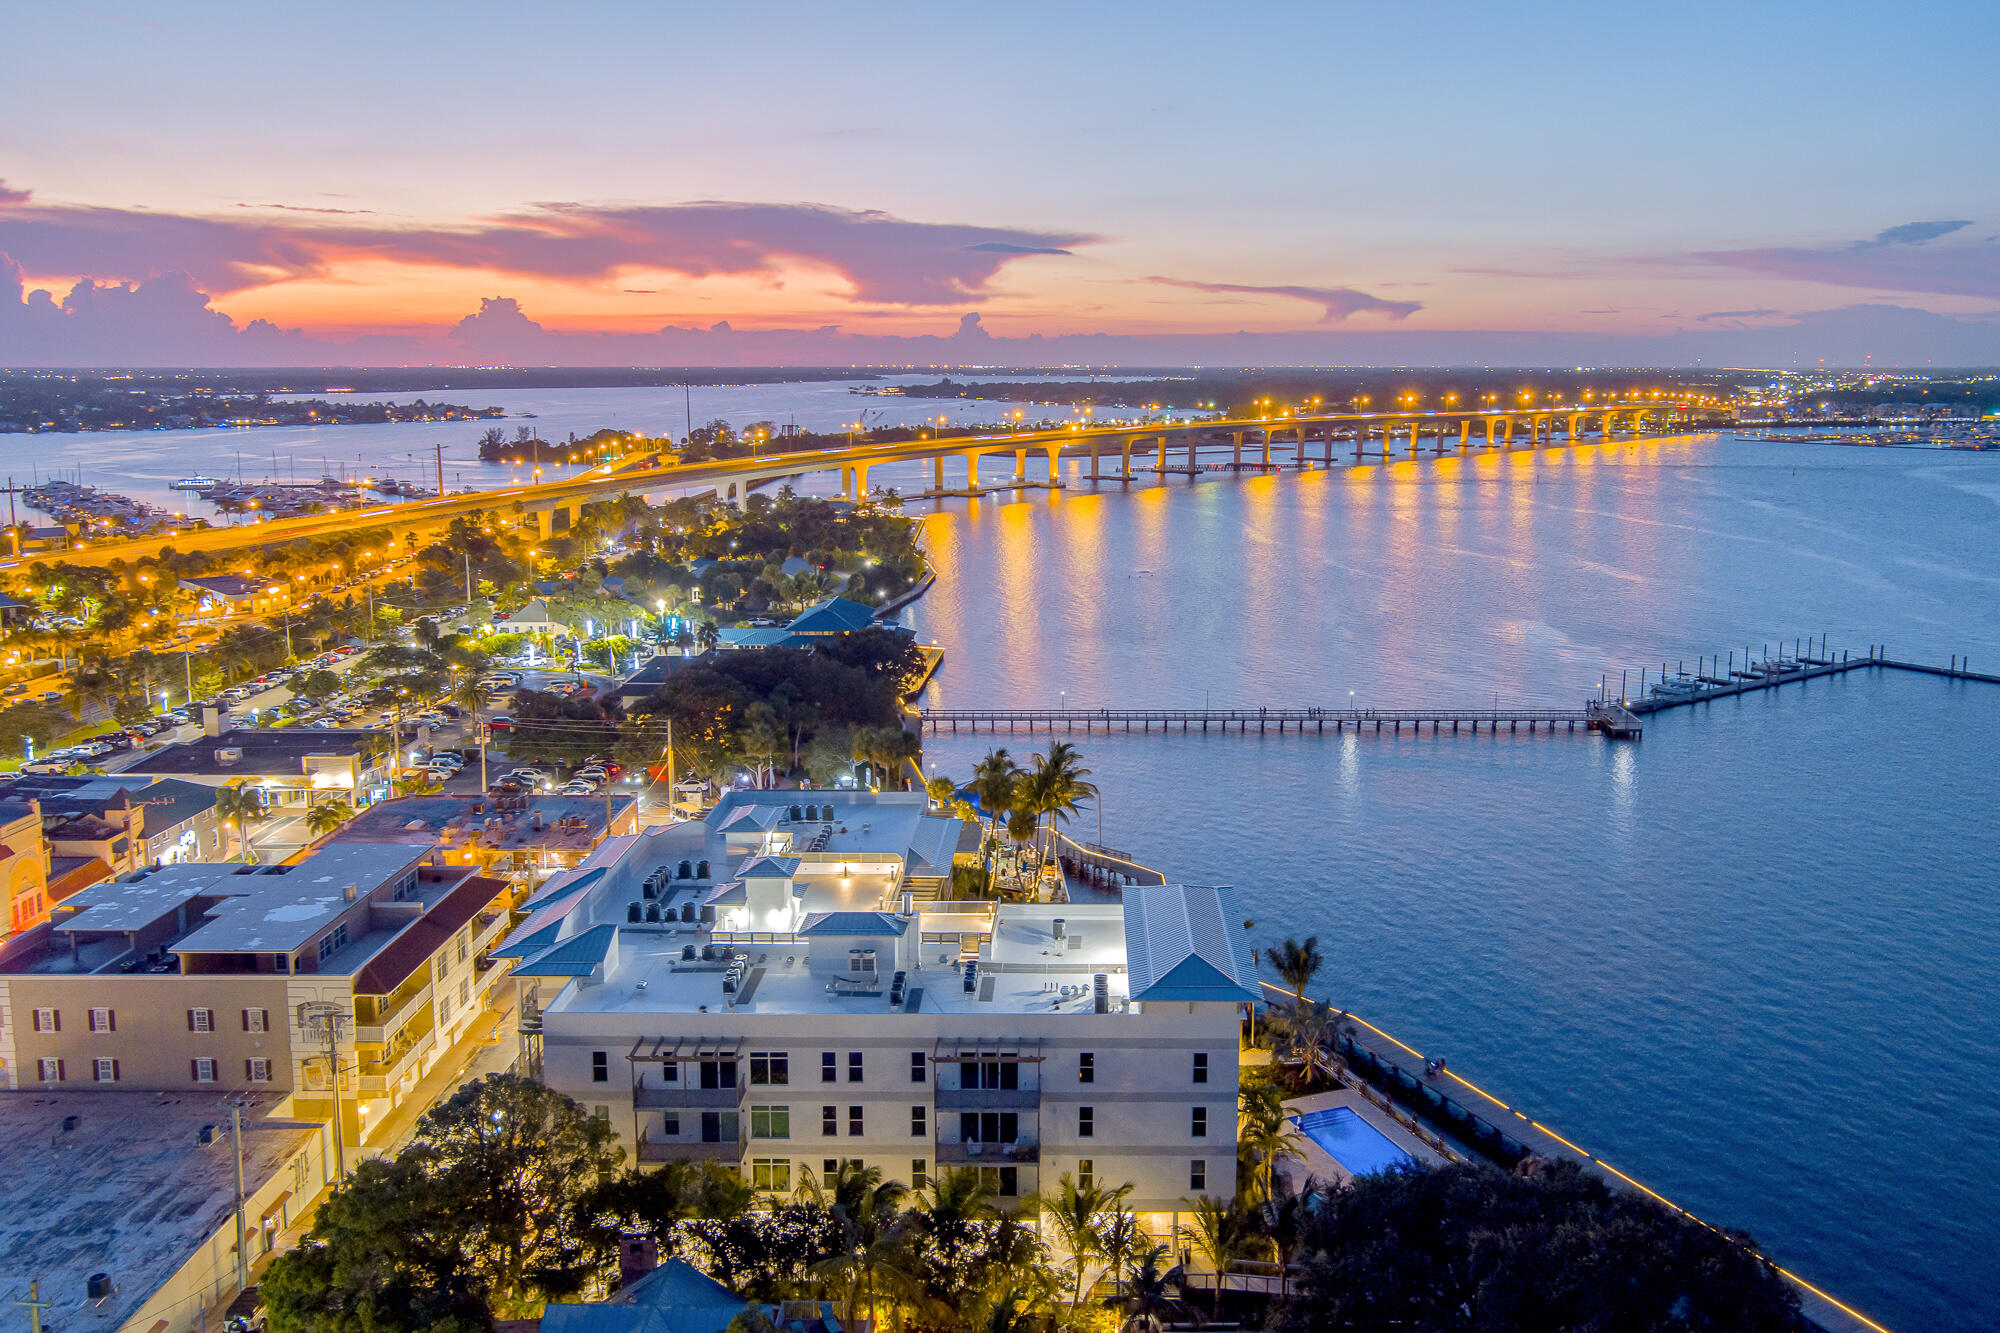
(676, 1150)
(988, 1099)
(988, 1154)
(672, 1097)
(377, 1076)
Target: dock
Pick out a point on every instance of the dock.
(1264, 721)
(1713, 680)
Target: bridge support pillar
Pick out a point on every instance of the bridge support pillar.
(1507, 432)
(1190, 447)
(1302, 449)
(1491, 425)
(1575, 425)
(937, 475)
(1125, 459)
(860, 481)
(1161, 466)
(1093, 458)
(1267, 450)
(971, 471)
(1236, 457)
(1415, 443)
(1020, 465)
(1055, 464)
(1465, 432)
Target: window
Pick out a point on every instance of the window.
(465, 991)
(989, 1126)
(1086, 1067)
(670, 1124)
(854, 1066)
(770, 1122)
(989, 1071)
(464, 943)
(1197, 1174)
(829, 1120)
(919, 1173)
(770, 1067)
(829, 1168)
(106, 1070)
(257, 1070)
(600, 1066)
(670, 1071)
(1198, 1122)
(438, 965)
(829, 1067)
(1086, 1122)
(1004, 1180)
(854, 1122)
(51, 1070)
(256, 1020)
(601, 1112)
(718, 1073)
(770, 1173)
(103, 1020)
(917, 1126)
(1086, 1173)
(1201, 1066)
(333, 942)
(201, 1020)
(202, 1069)
(916, 1066)
(48, 1020)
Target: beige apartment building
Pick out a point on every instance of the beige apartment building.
(226, 976)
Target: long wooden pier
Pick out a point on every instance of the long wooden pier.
(1280, 721)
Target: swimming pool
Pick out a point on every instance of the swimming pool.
(1351, 1141)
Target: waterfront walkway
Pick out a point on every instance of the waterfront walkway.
(1319, 721)
(1482, 1123)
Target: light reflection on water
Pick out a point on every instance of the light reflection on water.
(1749, 959)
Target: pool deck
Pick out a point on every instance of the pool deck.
(1313, 1160)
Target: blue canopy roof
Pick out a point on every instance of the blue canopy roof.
(578, 956)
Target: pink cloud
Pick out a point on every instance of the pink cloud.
(1335, 303)
(1898, 259)
(884, 259)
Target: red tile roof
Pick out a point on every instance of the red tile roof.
(424, 937)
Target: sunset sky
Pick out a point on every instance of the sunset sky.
(830, 178)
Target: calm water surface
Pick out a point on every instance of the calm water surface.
(1749, 960)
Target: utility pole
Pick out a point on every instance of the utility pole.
(440, 458)
(468, 583)
(323, 1019)
(482, 731)
(35, 1305)
(242, 1242)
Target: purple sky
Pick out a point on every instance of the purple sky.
(242, 184)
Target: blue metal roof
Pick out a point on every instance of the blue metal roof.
(835, 615)
(673, 1298)
(1179, 946)
(769, 867)
(578, 956)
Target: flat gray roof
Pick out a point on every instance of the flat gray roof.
(129, 1191)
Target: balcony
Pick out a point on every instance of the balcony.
(988, 1154)
(673, 1097)
(676, 1150)
(375, 1030)
(380, 1076)
(989, 1099)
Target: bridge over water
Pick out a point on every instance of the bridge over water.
(1116, 453)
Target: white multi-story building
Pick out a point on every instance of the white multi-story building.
(769, 987)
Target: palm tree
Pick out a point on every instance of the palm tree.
(708, 636)
(872, 1258)
(1297, 964)
(1222, 1235)
(1285, 1220)
(1145, 1299)
(1057, 783)
(328, 816)
(1074, 1213)
(1266, 1134)
(952, 1205)
(942, 790)
(994, 780)
(468, 696)
(241, 807)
